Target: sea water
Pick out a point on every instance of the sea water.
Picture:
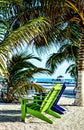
(47, 83)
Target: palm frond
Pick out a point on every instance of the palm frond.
(27, 73)
(3, 67)
(22, 87)
(73, 71)
(69, 51)
(54, 60)
(3, 29)
(27, 32)
(4, 3)
(21, 68)
(21, 61)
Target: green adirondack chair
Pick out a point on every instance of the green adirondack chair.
(40, 110)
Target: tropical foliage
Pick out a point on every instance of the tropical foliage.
(73, 70)
(17, 29)
(20, 72)
(67, 52)
(60, 13)
(75, 11)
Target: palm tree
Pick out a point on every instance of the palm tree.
(15, 31)
(60, 13)
(79, 9)
(27, 10)
(75, 13)
(69, 11)
(20, 72)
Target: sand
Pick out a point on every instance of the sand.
(72, 119)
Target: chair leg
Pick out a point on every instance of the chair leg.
(61, 108)
(23, 111)
(53, 113)
(23, 115)
(38, 115)
(56, 109)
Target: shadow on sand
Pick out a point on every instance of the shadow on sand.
(10, 115)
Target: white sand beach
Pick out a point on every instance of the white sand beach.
(73, 119)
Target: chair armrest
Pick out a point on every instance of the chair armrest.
(24, 100)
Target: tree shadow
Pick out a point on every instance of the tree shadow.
(10, 115)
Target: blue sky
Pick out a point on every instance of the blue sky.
(59, 71)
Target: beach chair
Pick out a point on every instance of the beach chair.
(38, 98)
(40, 110)
(55, 107)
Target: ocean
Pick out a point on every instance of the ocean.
(54, 80)
(49, 82)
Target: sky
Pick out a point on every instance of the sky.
(59, 71)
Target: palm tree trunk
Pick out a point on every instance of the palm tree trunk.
(80, 88)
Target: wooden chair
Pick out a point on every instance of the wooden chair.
(55, 107)
(39, 110)
(38, 98)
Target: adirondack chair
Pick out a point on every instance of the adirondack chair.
(39, 110)
(55, 107)
(38, 98)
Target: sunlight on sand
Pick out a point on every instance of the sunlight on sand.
(72, 119)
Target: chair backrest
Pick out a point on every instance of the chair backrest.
(50, 98)
(60, 94)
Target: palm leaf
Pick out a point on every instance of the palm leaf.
(73, 71)
(71, 5)
(21, 61)
(27, 73)
(7, 2)
(3, 67)
(33, 28)
(20, 68)
(22, 87)
(68, 52)
(54, 60)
